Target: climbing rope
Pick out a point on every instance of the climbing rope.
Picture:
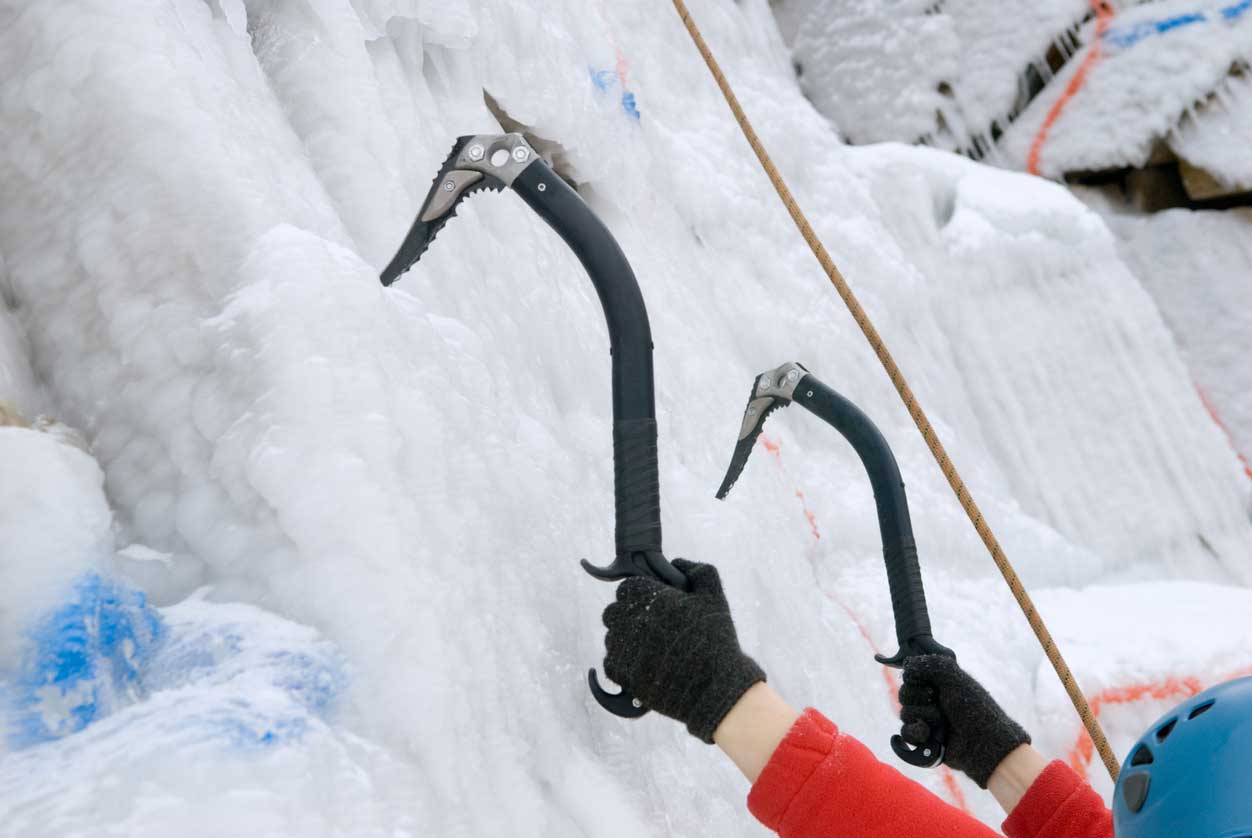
(910, 402)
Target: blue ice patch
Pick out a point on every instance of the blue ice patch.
(1237, 10)
(603, 79)
(309, 684)
(258, 680)
(628, 105)
(84, 660)
(608, 80)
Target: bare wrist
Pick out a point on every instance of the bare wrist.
(1015, 774)
(752, 730)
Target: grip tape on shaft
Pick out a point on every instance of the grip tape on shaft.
(637, 486)
(908, 599)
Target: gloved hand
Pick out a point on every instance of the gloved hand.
(677, 652)
(977, 734)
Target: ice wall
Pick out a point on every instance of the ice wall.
(17, 383)
(1195, 264)
(198, 198)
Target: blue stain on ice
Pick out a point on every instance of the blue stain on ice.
(243, 677)
(306, 686)
(258, 680)
(1123, 37)
(85, 658)
(607, 80)
(1237, 10)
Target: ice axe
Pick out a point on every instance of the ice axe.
(793, 383)
(497, 161)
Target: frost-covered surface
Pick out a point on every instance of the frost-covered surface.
(17, 383)
(223, 730)
(54, 522)
(1214, 136)
(876, 69)
(1157, 61)
(193, 223)
(1198, 266)
(948, 72)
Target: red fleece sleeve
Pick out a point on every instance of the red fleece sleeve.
(1059, 804)
(820, 783)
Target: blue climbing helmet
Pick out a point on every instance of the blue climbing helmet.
(1190, 776)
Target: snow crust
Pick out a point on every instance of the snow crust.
(905, 71)
(1157, 62)
(977, 76)
(1212, 136)
(355, 512)
(1196, 265)
(55, 522)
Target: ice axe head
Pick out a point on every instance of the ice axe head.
(476, 162)
(771, 390)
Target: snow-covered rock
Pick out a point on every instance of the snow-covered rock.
(1054, 87)
(1155, 63)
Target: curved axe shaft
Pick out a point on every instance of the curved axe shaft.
(507, 160)
(793, 383)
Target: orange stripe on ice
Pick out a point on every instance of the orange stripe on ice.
(1217, 420)
(775, 448)
(1176, 688)
(1103, 15)
(890, 677)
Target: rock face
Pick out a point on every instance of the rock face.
(1058, 88)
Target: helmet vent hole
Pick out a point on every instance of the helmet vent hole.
(1143, 756)
(1202, 709)
(1165, 730)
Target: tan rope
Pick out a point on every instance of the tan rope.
(910, 402)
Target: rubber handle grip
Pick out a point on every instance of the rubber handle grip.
(636, 486)
(908, 596)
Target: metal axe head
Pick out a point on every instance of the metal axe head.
(477, 162)
(771, 390)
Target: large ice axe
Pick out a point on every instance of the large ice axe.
(507, 160)
(793, 383)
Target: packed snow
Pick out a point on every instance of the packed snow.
(1157, 62)
(1002, 80)
(1196, 264)
(1213, 135)
(316, 571)
(944, 71)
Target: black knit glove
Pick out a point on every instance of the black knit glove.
(977, 734)
(677, 652)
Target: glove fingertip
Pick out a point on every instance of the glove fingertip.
(704, 578)
(684, 565)
(634, 587)
(925, 669)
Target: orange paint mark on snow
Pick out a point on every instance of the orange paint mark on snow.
(1081, 753)
(809, 516)
(891, 678)
(622, 68)
(1217, 420)
(775, 448)
(1104, 14)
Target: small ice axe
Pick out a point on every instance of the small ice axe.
(793, 383)
(498, 160)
